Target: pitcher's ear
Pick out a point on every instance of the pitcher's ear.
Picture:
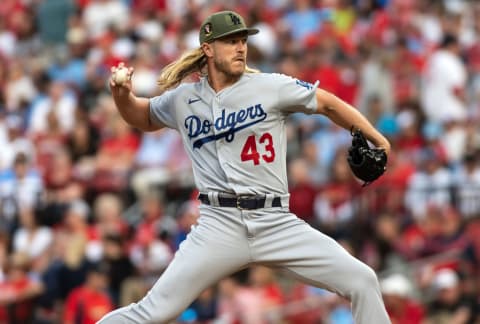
(207, 49)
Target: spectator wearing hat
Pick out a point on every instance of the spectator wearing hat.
(450, 304)
(397, 295)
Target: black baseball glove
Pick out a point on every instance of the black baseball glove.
(367, 164)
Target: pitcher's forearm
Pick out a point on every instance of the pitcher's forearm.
(346, 116)
(135, 111)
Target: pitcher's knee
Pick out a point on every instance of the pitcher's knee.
(156, 310)
(364, 280)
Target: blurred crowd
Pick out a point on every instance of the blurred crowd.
(92, 211)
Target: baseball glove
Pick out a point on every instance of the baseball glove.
(366, 163)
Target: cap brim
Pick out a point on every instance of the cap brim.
(250, 31)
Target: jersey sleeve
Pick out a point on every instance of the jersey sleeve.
(162, 110)
(296, 95)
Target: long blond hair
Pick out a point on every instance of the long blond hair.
(193, 61)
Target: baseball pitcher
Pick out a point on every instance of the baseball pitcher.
(232, 123)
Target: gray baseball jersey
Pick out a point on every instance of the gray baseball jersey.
(237, 142)
(236, 138)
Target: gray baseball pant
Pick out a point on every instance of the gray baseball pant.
(228, 239)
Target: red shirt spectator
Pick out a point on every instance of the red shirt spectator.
(21, 308)
(149, 5)
(88, 303)
(18, 291)
(408, 312)
(302, 198)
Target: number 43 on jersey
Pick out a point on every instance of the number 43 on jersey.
(250, 152)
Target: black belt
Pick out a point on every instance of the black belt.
(241, 202)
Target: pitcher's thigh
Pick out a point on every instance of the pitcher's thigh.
(201, 261)
(316, 259)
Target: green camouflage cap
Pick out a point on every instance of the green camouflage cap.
(222, 24)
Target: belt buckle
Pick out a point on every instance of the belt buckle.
(239, 199)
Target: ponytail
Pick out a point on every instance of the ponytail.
(193, 61)
(190, 62)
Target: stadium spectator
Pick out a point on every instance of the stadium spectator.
(15, 142)
(444, 83)
(118, 264)
(450, 304)
(19, 291)
(89, 302)
(401, 307)
(30, 238)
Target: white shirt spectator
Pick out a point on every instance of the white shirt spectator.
(144, 81)
(455, 141)
(21, 89)
(64, 109)
(375, 80)
(266, 40)
(123, 48)
(444, 74)
(12, 142)
(12, 148)
(467, 185)
(99, 15)
(8, 42)
(177, 8)
(425, 189)
(33, 245)
(16, 192)
(430, 27)
(3, 134)
(155, 257)
(326, 213)
(151, 30)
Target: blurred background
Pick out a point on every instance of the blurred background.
(92, 211)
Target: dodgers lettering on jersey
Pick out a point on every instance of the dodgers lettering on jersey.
(236, 138)
(234, 122)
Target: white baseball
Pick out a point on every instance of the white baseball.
(120, 76)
